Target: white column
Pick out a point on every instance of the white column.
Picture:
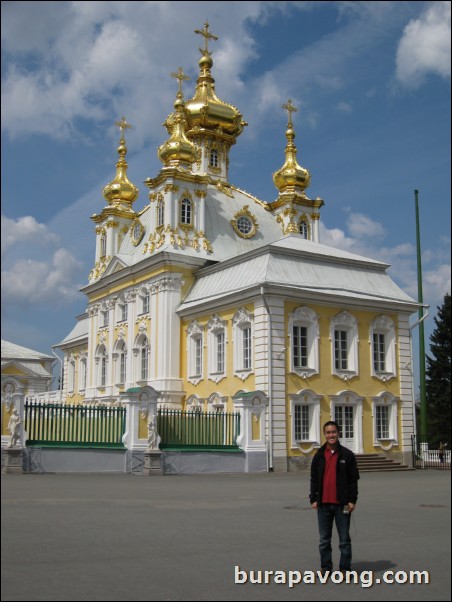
(93, 313)
(130, 298)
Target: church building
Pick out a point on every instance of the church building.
(206, 293)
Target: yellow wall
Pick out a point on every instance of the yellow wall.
(229, 385)
(326, 384)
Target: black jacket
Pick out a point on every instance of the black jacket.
(347, 476)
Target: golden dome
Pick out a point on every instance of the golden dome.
(205, 110)
(178, 149)
(121, 191)
(291, 176)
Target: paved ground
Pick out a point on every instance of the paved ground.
(124, 537)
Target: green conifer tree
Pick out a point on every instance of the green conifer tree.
(439, 376)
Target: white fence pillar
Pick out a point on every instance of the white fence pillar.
(140, 401)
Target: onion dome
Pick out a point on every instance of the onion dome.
(121, 191)
(291, 176)
(177, 149)
(205, 109)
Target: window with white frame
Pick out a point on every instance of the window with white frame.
(144, 358)
(122, 310)
(186, 211)
(383, 348)
(242, 328)
(195, 352)
(71, 375)
(102, 363)
(216, 329)
(82, 373)
(121, 361)
(213, 162)
(303, 228)
(160, 213)
(145, 301)
(105, 317)
(305, 413)
(344, 339)
(103, 245)
(304, 341)
(385, 418)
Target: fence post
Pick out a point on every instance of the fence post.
(252, 407)
(13, 434)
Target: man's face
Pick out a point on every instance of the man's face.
(331, 434)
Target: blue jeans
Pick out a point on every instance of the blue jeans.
(327, 513)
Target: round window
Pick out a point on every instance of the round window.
(244, 224)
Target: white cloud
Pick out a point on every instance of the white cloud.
(28, 282)
(425, 46)
(344, 107)
(362, 226)
(364, 236)
(24, 229)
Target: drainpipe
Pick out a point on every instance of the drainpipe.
(61, 374)
(270, 383)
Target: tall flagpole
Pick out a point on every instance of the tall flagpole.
(420, 298)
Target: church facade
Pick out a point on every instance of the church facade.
(207, 292)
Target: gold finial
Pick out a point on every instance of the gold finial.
(205, 33)
(181, 77)
(123, 125)
(290, 108)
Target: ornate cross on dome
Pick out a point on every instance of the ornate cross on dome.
(181, 77)
(290, 108)
(205, 33)
(123, 125)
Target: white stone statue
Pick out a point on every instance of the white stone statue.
(153, 436)
(14, 428)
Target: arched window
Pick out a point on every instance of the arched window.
(144, 359)
(186, 211)
(160, 213)
(213, 159)
(121, 359)
(82, 373)
(102, 362)
(303, 229)
(103, 244)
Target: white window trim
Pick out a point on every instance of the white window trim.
(386, 399)
(304, 316)
(194, 404)
(71, 375)
(216, 326)
(345, 321)
(216, 403)
(384, 325)
(194, 331)
(101, 352)
(242, 319)
(83, 373)
(120, 347)
(311, 399)
(350, 398)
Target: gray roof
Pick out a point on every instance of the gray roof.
(12, 351)
(300, 265)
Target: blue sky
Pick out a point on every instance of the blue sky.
(371, 81)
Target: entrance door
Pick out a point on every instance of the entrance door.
(344, 416)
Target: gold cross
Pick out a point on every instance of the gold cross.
(123, 125)
(289, 107)
(180, 76)
(205, 33)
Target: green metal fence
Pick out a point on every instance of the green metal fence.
(198, 430)
(74, 425)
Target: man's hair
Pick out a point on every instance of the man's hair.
(331, 423)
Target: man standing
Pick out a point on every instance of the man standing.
(334, 491)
